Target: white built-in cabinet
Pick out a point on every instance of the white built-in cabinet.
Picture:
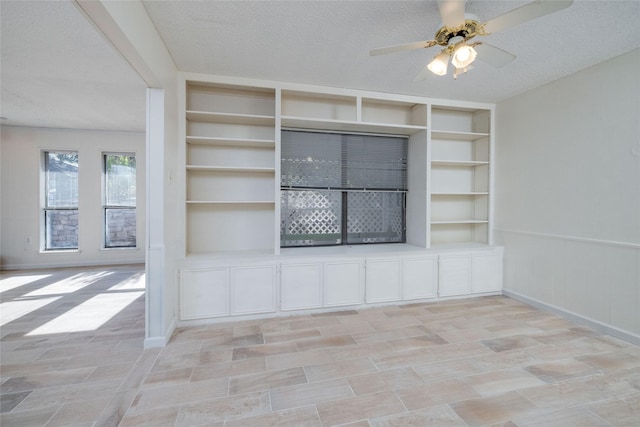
(419, 277)
(231, 155)
(460, 175)
(318, 284)
(224, 290)
(230, 167)
(470, 272)
(401, 279)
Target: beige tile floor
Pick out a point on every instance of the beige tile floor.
(72, 356)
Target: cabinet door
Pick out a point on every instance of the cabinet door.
(204, 293)
(301, 286)
(383, 280)
(343, 283)
(486, 271)
(253, 289)
(454, 275)
(419, 278)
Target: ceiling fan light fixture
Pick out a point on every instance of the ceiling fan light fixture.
(463, 55)
(439, 64)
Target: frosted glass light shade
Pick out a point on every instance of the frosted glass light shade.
(439, 64)
(463, 56)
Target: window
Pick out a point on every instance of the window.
(60, 200)
(339, 189)
(119, 206)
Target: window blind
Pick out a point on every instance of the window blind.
(316, 160)
(342, 188)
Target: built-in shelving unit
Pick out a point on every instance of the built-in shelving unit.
(230, 168)
(233, 264)
(232, 160)
(460, 175)
(322, 111)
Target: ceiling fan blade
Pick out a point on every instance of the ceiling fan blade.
(401, 47)
(492, 55)
(525, 13)
(422, 75)
(452, 12)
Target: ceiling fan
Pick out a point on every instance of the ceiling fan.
(458, 29)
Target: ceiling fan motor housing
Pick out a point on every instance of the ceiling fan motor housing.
(467, 31)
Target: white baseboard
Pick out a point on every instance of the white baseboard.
(155, 342)
(51, 265)
(574, 317)
(161, 341)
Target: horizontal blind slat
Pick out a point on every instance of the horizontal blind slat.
(331, 160)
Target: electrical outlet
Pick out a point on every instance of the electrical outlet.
(28, 240)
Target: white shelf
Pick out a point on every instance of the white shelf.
(230, 118)
(460, 136)
(462, 193)
(349, 126)
(229, 202)
(231, 142)
(461, 221)
(230, 169)
(461, 163)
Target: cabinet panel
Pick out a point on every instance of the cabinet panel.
(343, 283)
(383, 280)
(204, 293)
(301, 286)
(419, 278)
(486, 271)
(454, 275)
(253, 289)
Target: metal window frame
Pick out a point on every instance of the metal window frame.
(106, 207)
(344, 190)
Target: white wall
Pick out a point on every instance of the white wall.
(20, 196)
(568, 193)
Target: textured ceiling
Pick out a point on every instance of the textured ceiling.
(58, 71)
(328, 43)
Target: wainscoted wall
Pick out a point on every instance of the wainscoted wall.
(596, 280)
(568, 195)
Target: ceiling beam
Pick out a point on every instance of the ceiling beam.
(128, 28)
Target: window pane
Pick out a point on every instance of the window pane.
(311, 159)
(120, 180)
(61, 229)
(310, 218)
(61, 179)
(375, 217)
(375, 162)
(120, 228)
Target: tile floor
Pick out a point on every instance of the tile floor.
(72, 356)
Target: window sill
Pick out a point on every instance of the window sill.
(60, 251)
(121, 249)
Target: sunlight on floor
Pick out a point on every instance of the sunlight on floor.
(70, 284)
(90, 315)
(6, 284)
(12, 310)
(135, 282)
